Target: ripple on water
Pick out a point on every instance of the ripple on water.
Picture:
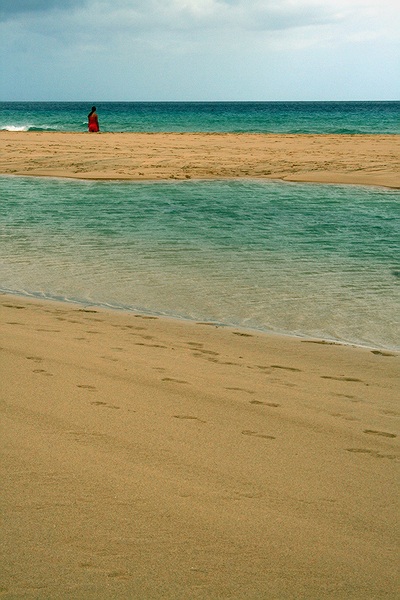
(297, 258)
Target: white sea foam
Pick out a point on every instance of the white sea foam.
(14, 128)
(29, 128)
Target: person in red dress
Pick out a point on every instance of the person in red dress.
(93, 120)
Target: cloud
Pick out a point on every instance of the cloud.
(178, 48)
(112, 23)
(10, 9)
(181, 15)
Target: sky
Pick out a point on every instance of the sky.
(204, 50)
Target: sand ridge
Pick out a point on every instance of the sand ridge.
(145, 457)
(349, 159)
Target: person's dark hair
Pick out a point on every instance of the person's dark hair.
(92, 111)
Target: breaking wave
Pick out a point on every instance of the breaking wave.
(27, 128)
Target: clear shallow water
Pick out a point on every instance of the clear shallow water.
(314, 260)
(258, 117)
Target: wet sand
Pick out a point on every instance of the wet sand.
(151, 458)
(349, 159)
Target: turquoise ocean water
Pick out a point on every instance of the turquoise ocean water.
(302, 259)
(258, 117)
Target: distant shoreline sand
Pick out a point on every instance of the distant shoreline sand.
(315, 158)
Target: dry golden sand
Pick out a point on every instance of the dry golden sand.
(147, 458)
(356, 159)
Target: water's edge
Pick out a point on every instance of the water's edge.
(109, 308)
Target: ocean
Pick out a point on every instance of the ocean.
(309, 260)
(249, 117)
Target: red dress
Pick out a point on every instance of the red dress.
(93, 123)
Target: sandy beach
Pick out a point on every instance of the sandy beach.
(349, 159)
(150, 458)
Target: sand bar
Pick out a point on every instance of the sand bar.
(151, 458)
(349, 159)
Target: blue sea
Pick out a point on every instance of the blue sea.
(309, 260)
(250, 117)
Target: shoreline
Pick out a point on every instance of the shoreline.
(359, 159)
(223, 462)
(125, 310)
(210, 180)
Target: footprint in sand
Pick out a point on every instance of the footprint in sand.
(150, 345)
(323, 342)
(344, 417)
(99, 403)
(14, 306)
(285, 368)
(174, 380)
(373, 453)
(381, 433)
(43, 372)
(195, 344)
(196, 354)
(242, 334)
(390, 413)
(271, 404)
(190, 417)
(349, 397)
(354, 379)
(119, 575)
(90, 388)
(258, 435)
(238, 389)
